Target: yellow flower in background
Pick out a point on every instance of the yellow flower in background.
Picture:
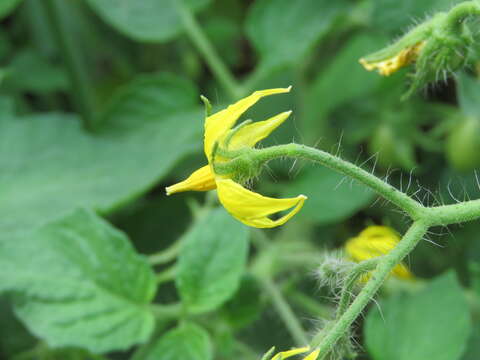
(286, 354)
(376, 241)
(246, 206)
(387, 66)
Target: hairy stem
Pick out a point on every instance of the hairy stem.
(460, 12)
(350, 281)
(403, 201)
(208, 52)
(80, 83)
(325, 342)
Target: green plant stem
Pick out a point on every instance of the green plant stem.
(80, 83)
(347, 289)
(412, 207)
(167, 255)
(325, 342)
(460, 12)
(284, 311)
(168, 311)
(206, 49)
(166, 275)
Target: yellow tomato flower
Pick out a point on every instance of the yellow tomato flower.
(390, 65)
(248, 207)
(376, 241)
(286, 354)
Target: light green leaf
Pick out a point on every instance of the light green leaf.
(79, 282)
(468, 95)
(146, 20)
(7, 6)
(432, 324)
(284, 31)
(331, 196)
(186, 342)
(212, 261)
(50, 165)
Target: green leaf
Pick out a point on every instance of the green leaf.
(50, 165)
(79, 282)
(333, 87)
(7, 6)
(331, 197)
(212, 261)
(431, 324)
(395, 16)
(187, 341)
(245, 307)
(284, 31)
(468, 95)
(29, 71)
(146, 20)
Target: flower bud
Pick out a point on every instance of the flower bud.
(436, 47)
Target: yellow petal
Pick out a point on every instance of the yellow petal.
(250, 134)
(253, 209)
(200, 180)
(219, 123)
(389, 66)
(373, 242)
(313, 355)
(290, 353)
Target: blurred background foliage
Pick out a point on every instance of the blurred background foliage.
(100, 111)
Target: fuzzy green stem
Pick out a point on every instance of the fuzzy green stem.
(459, 13)
(325, 342)
(80, 83)
(206, 49)
(403, 201)
(350, 282)
(284, 311)
(454, 214)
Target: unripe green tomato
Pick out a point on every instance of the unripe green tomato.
(463, 145)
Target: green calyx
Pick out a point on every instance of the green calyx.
(445, 51)
(437, 47)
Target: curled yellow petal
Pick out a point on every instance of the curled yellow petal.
(290, 353)
(200, 180)
(219, 123)
(253, 209)
(313, 355)
(251, 134)
(373, 242)
(389, 66)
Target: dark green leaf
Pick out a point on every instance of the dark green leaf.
(146, 20)
(50, 165)
(186, 342)
(432, 324)
(79, 282)
(29, 71)
(7, 6)
(331, 196)
(245, 306)
(331, 87)
(284, 31)
(212, 261)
